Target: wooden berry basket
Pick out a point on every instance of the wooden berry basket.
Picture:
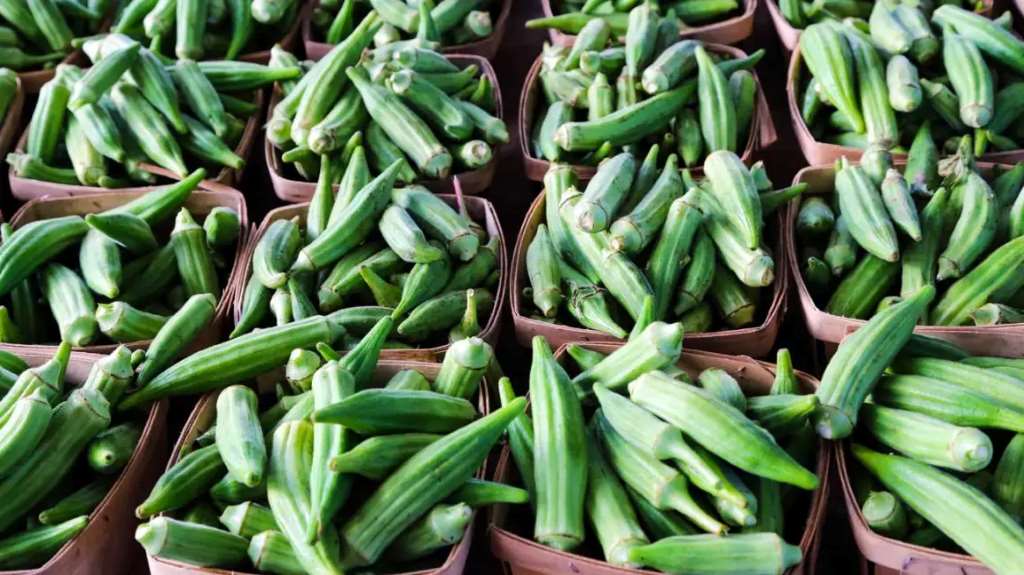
(485, 48)
(886, 556)
(204, 416)
(756, 341)
(820, 153)
(25, 189)
(200, 202)
(473, 182)
(732, 30)
(760, 135)
(479, 209)
(520, 555)
(106, 544)
(1005, 340)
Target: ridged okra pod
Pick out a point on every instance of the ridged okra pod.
(970, 77)
(544, 272)
(289, 497)
(102, 76)
(520, 439)
(646, 432)
(703, 417)
(627, 124)
(674, 245)
(71, 303)
(605, 193)
(35, 546)
(328, 487)
(900, 205)
(609, 508)
(661, 485)
(618, 274)
(974, 289)
(248, 519)
(111, 450)
(920, 259)
(239, 435)
(438, 220)
(986, 531)
(879, 117)
(352, 226)
(235, 360)
(885, 514)
(974, 231)
(424, 480)
(123, 323)
(862, 206)
(658, 346)
(829, 58)
(192, 543)
(24, 428)
(782, 414)
(403, 127)
(275, 252)
(48, 117)
(174, 337)
(47, 378)
(949, 402)
(463, 367)
(1007, 488)
(192, 255)
(929, 440)
(443, 525)
(376, 457)
(73, 424)
(405, 238)
(1007, 388)
(559, 452)
(33, 244)
(632, 232)
(148, 127)
(760, 553)
(715, 104)
(188, 479)
(860, 360)
(271, 552)
(380, 411)
(734, 189)
(79, 502)
(860, 292)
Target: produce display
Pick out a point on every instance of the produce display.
(118, 275)
(130, 108)
(430, 25)
(929, 402)
(38, 33)
(658, 242)
(373, 252)
(207, 29)
(399, 102)
(883, 234)
(601, 97)
(340, 471)
(883, 80)
(801, 14)
(63, 448)
(672, 460)
(573, 15)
